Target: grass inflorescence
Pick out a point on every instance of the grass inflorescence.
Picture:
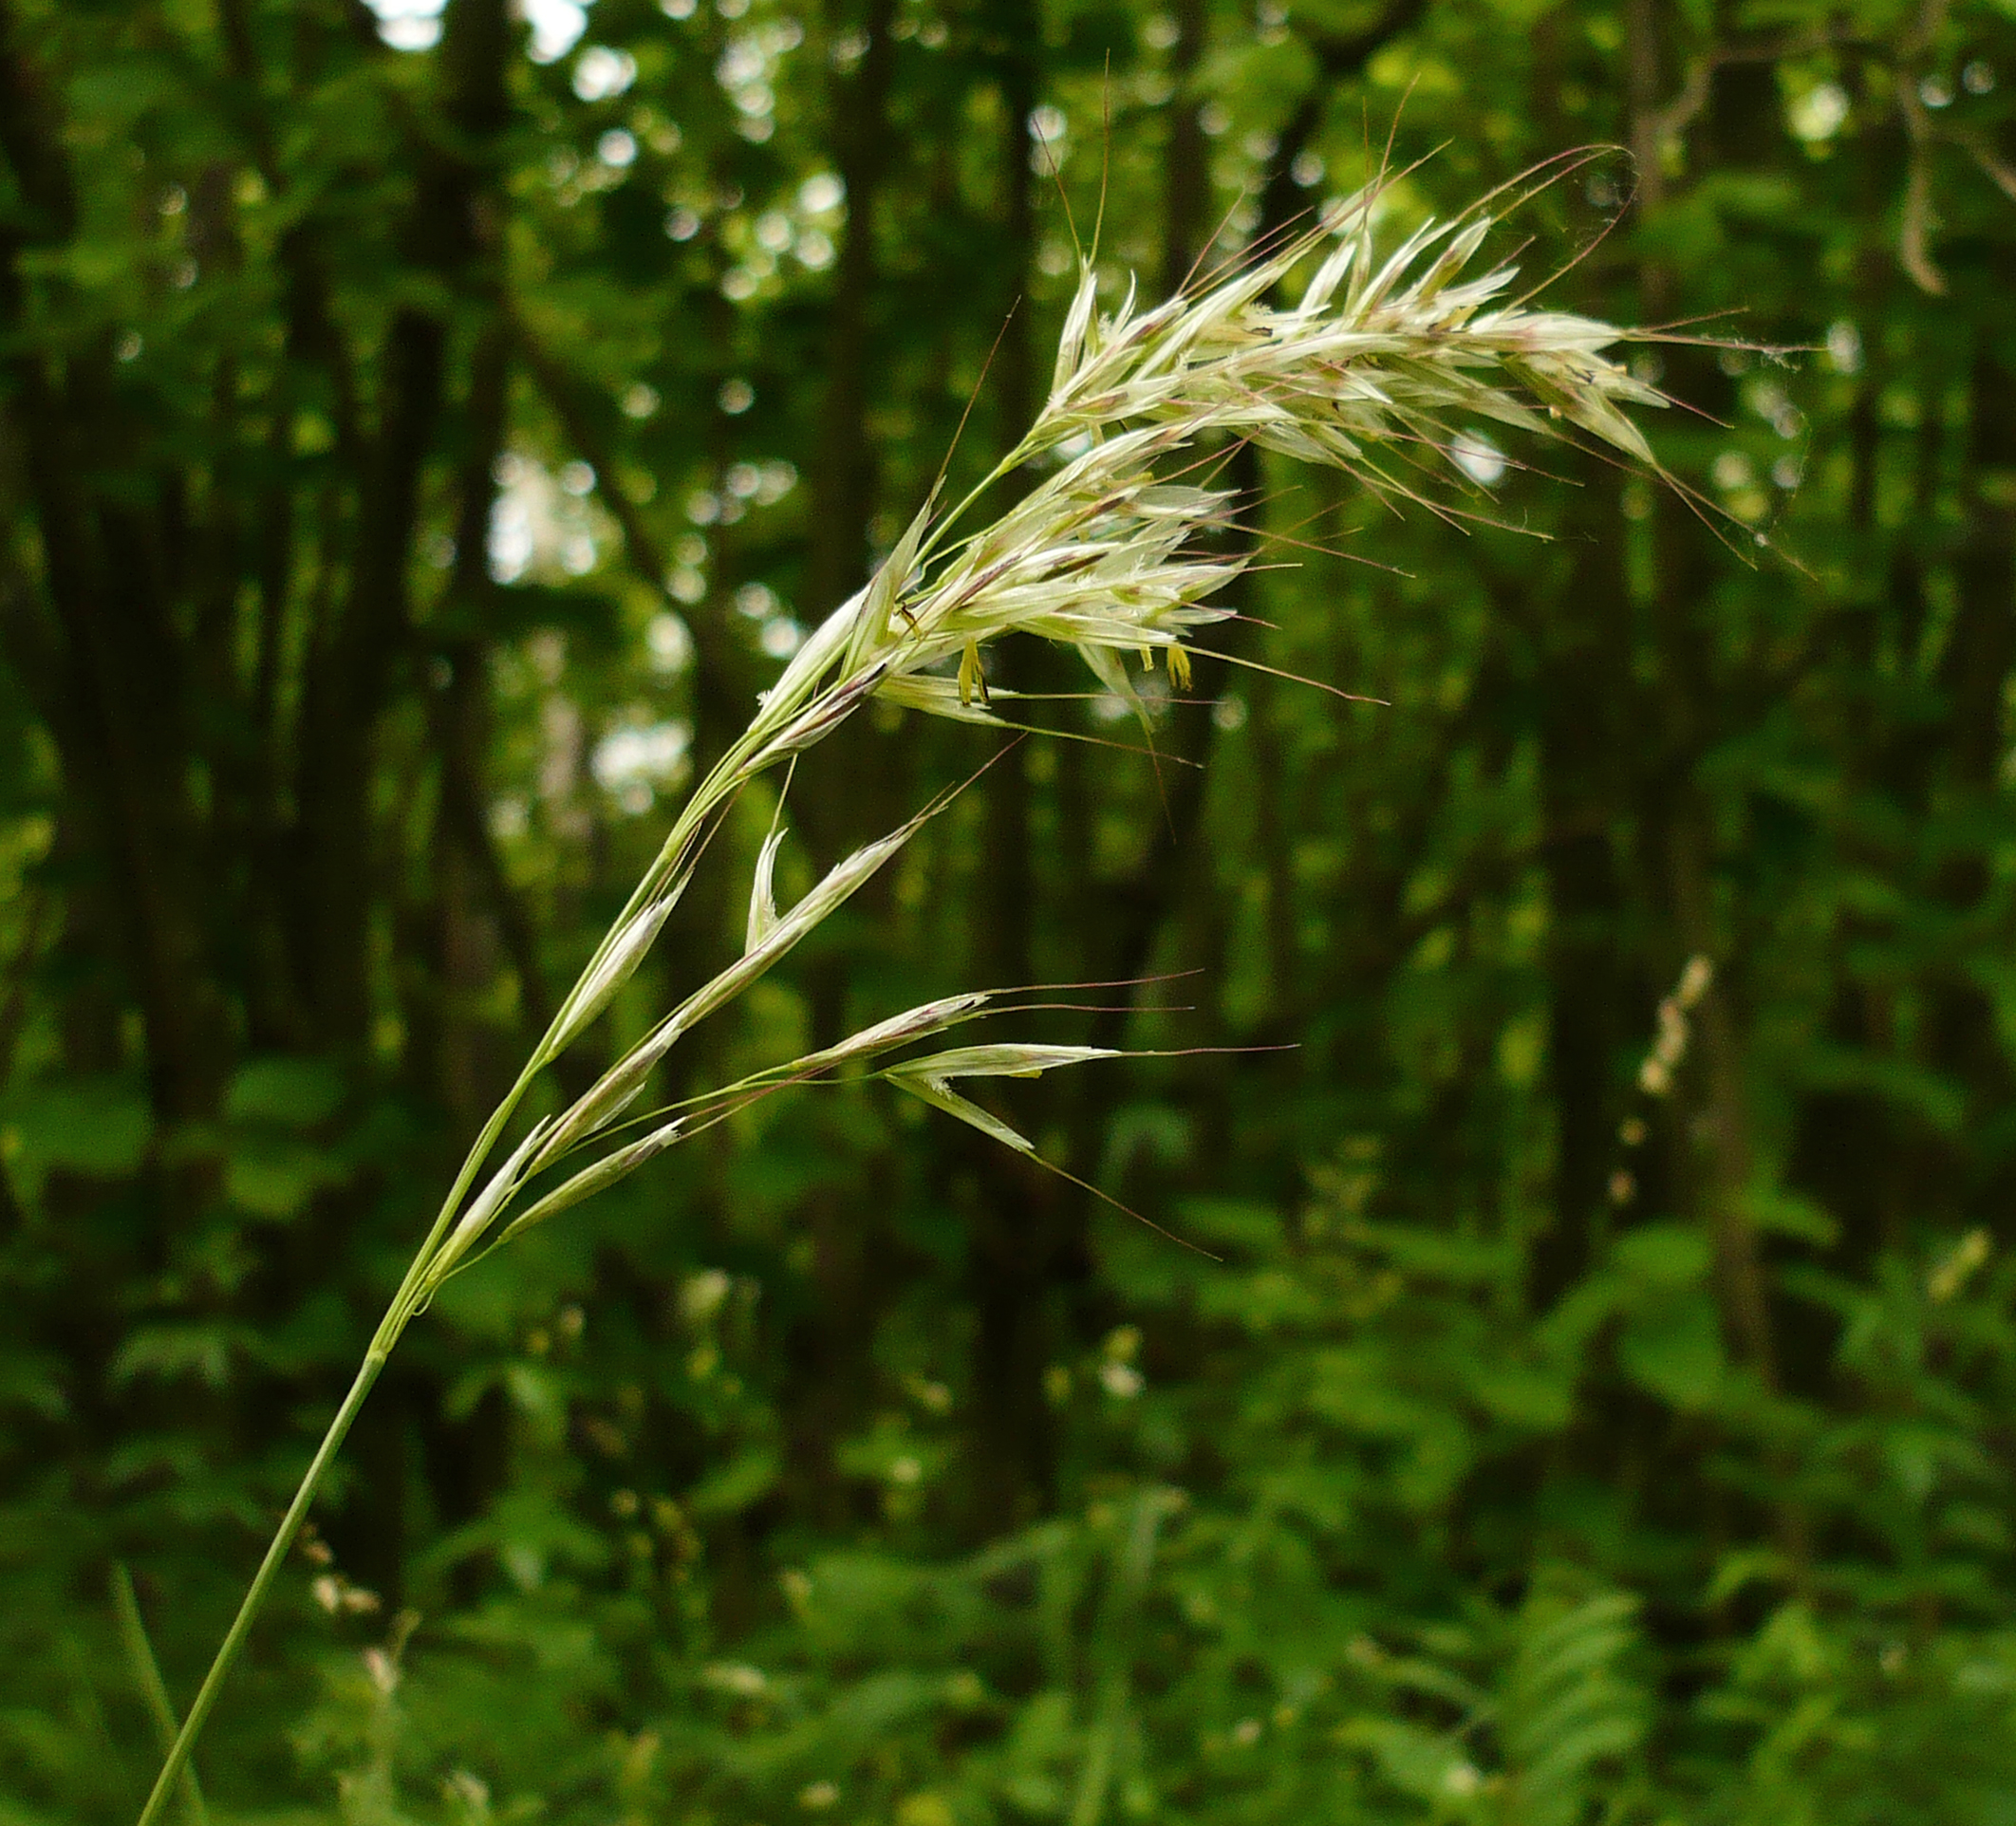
(1117, 551)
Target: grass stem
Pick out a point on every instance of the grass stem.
(154, 1689)
(255, 1597)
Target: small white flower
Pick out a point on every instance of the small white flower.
(736, 1677)
(1121, 1379)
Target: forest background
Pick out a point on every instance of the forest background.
(423, 431)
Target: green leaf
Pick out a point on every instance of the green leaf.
(1785, 1214)
(1526, 1395)
(746, 1479)
(286, 1092)
(1663, 1254)
(278, 1182)
(101, 1126)
(1674, 1349)
(177, 1353)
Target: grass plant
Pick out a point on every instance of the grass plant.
(1382, 368)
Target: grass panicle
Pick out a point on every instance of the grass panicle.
(1116, 551)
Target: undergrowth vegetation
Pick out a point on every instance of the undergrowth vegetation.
(1344, 1541)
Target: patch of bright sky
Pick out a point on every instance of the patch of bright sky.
(408, 25)
(556, 25)
(1478, 458)
(416, 25)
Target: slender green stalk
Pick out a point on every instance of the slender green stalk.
(404, 1304)
(154, 1689)
(255, 1597)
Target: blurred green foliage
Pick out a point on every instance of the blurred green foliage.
(1588, 1397)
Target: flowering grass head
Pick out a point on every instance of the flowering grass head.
(1117, 549)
